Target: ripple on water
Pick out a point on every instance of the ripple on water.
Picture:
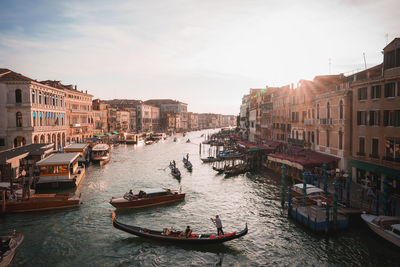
(85, 237)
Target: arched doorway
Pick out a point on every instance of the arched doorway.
(58, 141)
(48, 138)
(63, 139)
(53, 140)
(42, 139)
(36, 139)
(19, 141)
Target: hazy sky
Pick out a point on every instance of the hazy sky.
(205, 53)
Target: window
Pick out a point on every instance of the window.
(341, 110)
(340, 140)
(375, 91)
(391, 118)
(327, 138)
(390, 89)
(40, 97)
(375, 147)
(389, 59)
(34, 118)
(361, 118)
(317, 111)
(362, 93)
(374, 117)
(18, 96)
(317, 137)
(2, 142)
(392, 147)
(361, 146)
(33, 96)
(312, 137)
(18, 117)
(398, 83)
(328, 110)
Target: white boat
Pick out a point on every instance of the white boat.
(101, 154)
(8, 245)
(60, 170)
(387, 227)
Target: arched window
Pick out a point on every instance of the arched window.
(18, 96)
(34, 118)
(340, 140)
(328, 111)
(341, 110)
(317, 111)
(18, 117)
(33, 96)
(40, 97)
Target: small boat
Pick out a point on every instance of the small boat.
(188, 141)
(40, 202)
(147, 197)
(187, 164)
(101, 154)
(236, 170)
(176, 173)
(177, 236)
(313, 193)
(210, 159)
(387, 227)
(149, 142)
(202, 135)
(184, 134)
(8, 245)
(175, 139)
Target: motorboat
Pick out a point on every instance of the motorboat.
(147, 197)
(101, 154)
(8, 245)
(387, 227)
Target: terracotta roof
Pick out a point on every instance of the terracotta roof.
(162, 101)
(7, 75)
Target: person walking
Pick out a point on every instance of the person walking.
(218, 224)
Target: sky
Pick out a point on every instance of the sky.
(205, 53)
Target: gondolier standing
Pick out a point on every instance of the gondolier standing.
(218, 224)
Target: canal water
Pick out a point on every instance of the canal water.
(85, 237)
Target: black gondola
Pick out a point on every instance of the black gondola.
(176, 237)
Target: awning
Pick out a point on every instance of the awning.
(115, 132)
(108, 134)
(374, 168)
(255, 149)
(100, 135)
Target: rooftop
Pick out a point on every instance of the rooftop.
(24, 151)
(162, 101)
(76, 146)
(58, 159)
(7, 75)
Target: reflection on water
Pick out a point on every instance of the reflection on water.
(85, 236)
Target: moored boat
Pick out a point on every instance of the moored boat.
(60, 170)
(147, 197)
(388, 227)
(210, 159)
(175, 139)
(177, 236)
(236, 170)
(8, 245)
(82, 149)
(40, 202)
(101, 154)
(176, 172)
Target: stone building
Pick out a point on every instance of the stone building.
(32, 112)
(193, 121)
(78, 110)
(169, 106)
(376, 120)
(99, 110)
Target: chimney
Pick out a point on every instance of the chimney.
(76, 87)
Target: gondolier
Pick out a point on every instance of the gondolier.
(218, 224)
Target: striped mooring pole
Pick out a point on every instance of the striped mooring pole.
(289, 200)
(304, 187)
(325, 178)
(335, 203)
(348, 181)
(385, 196)
(327, 218)
(283, 185)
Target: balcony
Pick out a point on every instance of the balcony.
(391, 159)
(308, 121)
(296, 142)
(325, 121)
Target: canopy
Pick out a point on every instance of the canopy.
(108, 134)
(115, 132)
(374, 168)
(100, 135)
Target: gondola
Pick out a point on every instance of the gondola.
(177, 237)
(176, 173)
(187, 164)
(239, 169)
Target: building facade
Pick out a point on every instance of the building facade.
(35, 113)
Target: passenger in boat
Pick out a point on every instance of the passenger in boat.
(187, 156)
(188, 231)
(218, 224)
